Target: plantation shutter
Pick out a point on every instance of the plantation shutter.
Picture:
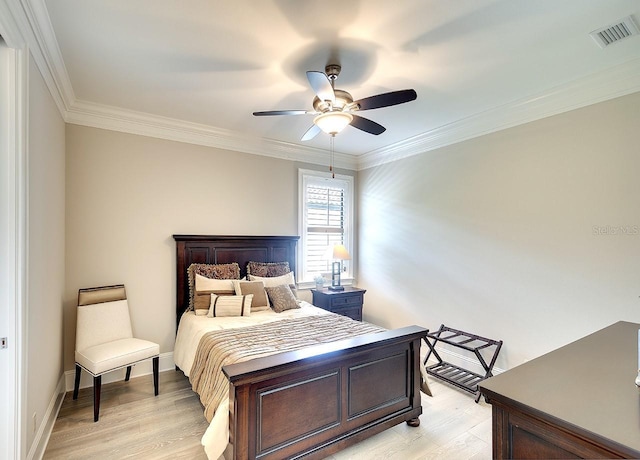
(325, 221)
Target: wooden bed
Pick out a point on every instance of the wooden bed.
(312, 402)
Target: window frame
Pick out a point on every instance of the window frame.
(309, 176)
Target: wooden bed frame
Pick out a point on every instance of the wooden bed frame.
(313, 402)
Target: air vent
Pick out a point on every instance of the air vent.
(609, 35)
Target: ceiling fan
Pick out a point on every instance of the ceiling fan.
(334, 108)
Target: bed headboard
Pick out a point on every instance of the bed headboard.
(204, 249)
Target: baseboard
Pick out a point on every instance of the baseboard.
(140, 369)
(41, 438)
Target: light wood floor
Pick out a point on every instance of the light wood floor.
(134, 423)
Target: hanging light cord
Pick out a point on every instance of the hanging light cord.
(333, 174)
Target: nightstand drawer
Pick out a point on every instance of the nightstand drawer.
(347, 300)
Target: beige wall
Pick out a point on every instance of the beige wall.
(46, 249)
(127, 195)
(501, 227)
(497, 235)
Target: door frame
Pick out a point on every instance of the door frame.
(14, 207)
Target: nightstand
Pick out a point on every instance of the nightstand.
(347, 303)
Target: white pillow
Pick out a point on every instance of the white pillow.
(274, 281)
(230, 305)
(208, 284)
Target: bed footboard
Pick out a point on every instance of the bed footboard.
(316, 401)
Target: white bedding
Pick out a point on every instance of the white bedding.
(191, 330)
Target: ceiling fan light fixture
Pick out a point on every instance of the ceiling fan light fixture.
(334, 107)
(333, 122)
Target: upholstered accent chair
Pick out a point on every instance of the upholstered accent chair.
(104, 339)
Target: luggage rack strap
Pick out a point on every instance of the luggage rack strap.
(456, 333)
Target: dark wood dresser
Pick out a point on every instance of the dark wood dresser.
(579, 401)
(347, 303)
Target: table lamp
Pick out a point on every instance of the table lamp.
(338, 254)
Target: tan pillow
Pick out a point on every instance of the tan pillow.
(204, 287)
(201, 311)
(230, 305)
(260, 300)
(281, 298)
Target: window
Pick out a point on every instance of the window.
(326, 219)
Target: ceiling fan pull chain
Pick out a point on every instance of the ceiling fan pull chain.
(333, 174)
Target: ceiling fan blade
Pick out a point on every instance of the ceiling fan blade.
(366, 125)
(386, 99)
(321, 85)
(281, 112)
(311, 133)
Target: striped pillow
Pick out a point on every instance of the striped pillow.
(207, 286)
(230, 305)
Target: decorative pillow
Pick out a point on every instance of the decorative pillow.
(281, 298)
(268, 269)
(260, 300)
(204, 287)
(210, 284)
(218, 271)
(230, 305)
(272, 281)
(214, 271)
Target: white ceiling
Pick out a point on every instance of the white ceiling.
(195, 71)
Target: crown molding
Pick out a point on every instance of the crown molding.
(33, 21)
(48, 46)
(36, 33)
(598, 87)
(116, 119)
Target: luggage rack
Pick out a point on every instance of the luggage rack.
(455, 375)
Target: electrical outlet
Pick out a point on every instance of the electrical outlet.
(35, 420)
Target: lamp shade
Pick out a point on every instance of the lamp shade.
(340, 253)
(333, 122)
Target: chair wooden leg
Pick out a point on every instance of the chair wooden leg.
(97, 384)
(126, 378)
(156, 365)
(76, 385)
